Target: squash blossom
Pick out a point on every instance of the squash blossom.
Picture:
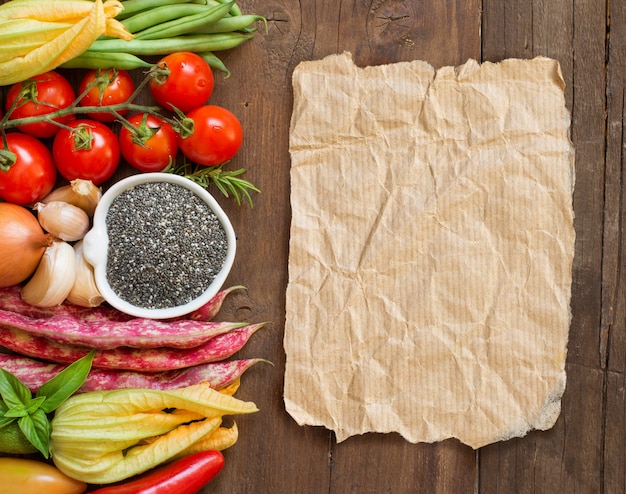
(37, 36)
(103, 437)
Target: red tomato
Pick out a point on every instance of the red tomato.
(153, 147)
(216, 138)
(40, 95)
(111, 87)
(88, 150)
(32, 176)
(188, 85)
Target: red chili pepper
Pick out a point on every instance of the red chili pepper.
(184, 476)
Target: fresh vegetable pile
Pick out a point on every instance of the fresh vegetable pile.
(100, 396)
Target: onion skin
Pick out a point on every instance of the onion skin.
(22, 243)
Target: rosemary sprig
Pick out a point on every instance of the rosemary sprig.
(228, 182)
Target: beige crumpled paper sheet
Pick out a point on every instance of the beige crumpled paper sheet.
(431, 249)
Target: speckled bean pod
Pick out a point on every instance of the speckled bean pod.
(218, 375)
(124, 358)
(11, 300)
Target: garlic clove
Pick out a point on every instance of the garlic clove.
(84, 292)
(54, 277)
(80, 193)
(63, 220)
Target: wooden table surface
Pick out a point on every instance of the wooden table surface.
(585, 451)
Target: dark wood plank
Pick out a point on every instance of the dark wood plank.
(386, 463)
(274, 454)
(567, 458)
(613, 327)
(506, 29)
(587, 345)
(585, 451)
(614, 280)
(614, 467)
(441, 33)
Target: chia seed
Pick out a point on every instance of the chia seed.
(166, 245)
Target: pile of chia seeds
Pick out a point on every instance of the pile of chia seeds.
(166, 245)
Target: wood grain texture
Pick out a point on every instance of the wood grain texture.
(582, 452)
(585, 451)
(274, 454)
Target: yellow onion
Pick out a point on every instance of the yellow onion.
(22, 243)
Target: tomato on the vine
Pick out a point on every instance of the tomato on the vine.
(111, 87)
(189, 83)
(216, 138)
(33, 174)
(41, 95)
(88, 150)
(152, 147)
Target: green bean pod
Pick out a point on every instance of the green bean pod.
(185, 24)
(215, 62)
(159, 15)
(232, 23)
(106, 60)
(234, 10)
(132, 7)
(194, 43)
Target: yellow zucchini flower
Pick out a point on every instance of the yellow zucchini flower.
(37, 36)
(107, 436)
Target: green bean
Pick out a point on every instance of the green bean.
(159, 15)
(108, 60)
(186, 24)
(194, 43)
(230, 24)
(234, 10)
(133, 6)
(215, 63)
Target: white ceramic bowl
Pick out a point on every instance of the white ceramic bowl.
(96, 244)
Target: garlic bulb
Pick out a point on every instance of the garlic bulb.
(84, 292)
(63, 220)
(80, 193)
(54, 277)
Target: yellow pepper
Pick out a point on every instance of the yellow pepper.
(38, 36)
(107, 436)
(26, 476)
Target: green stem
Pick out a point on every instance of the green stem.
(72, 110)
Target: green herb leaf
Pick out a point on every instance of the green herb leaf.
(227, 182)
(36, 428)
(31, 412)
(4, 421)
(34, 404)
(13, 392)
(17, 411)
(65, 383)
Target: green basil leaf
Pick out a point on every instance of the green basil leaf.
(44, 428)
(65, 383)
(34, 404)
(17, 411)
(36, 428)
(13, 392)
(4, 421)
